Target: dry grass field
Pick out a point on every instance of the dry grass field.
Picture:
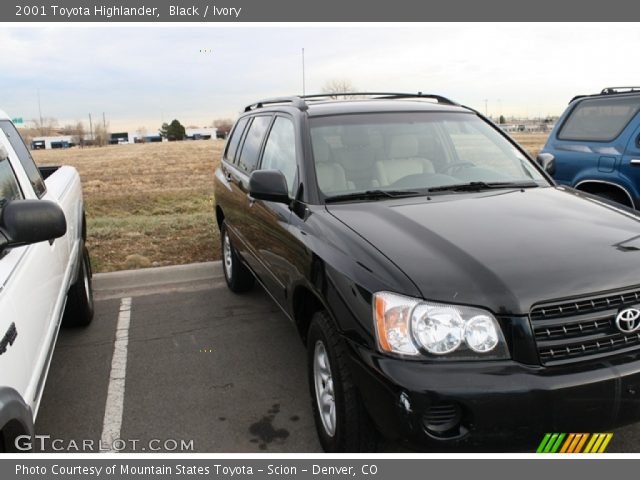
(147, 204)
(152, 204)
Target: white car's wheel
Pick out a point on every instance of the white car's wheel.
(79, 310)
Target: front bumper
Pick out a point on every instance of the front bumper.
(498, 402)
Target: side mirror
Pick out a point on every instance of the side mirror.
(269, 185)
(23, 222)
(548, 162)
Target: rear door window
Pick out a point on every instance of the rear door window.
(252, 143)
(599, 119)
(234, 140)
(25, 157)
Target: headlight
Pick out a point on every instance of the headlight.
(410, 326)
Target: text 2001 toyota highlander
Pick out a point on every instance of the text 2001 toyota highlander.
(446, 289)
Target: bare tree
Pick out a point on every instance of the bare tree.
(45, 127)
(101, 135)
(79, 134)
(223, 125)
(141, 133)
(339, 86)
(76, 132)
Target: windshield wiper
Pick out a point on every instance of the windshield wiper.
(477, 186)
(372, 195)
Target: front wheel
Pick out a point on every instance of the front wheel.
(340, 417)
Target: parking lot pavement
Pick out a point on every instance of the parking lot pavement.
(203, 365)
(206, 371)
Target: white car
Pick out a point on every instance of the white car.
(45, 276)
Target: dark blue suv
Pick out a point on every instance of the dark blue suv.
(595, 146)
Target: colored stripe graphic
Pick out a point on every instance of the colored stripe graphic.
(574, 443)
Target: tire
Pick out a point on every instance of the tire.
(80, 308)
(351, 429)
(238, 277)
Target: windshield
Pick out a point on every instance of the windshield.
(413, 151)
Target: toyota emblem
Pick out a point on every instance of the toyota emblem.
(628, 320)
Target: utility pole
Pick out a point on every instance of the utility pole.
(91, 130)
(303, 80)
(486, 102)
(104, 123)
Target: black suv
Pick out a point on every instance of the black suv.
(445, 287)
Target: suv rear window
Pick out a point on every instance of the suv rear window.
(599, 119)
(234, 140)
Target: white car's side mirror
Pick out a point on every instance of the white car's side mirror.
(3, 153)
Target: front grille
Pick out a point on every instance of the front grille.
(582, 329)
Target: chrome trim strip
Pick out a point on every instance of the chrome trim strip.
(633, 204)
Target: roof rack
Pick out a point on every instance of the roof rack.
(609, 91)
(296, 102)
(614, 90)
(300, 101)
(383, 95)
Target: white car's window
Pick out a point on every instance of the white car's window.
(24, 156)
(9, 188)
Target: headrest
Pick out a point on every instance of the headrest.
(403, 146)
(321, 150)
(356, 137)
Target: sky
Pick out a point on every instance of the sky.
(142, 76)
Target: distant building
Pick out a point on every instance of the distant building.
(206, 133)
(47, 143)
(121, 138)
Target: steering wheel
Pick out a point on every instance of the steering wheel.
(457, 166)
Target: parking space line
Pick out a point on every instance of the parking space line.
(112, 422)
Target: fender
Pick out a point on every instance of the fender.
(16, 417)
(616, 183)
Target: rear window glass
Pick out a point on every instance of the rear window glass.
(25, 157)
(599, 119)
(234, 140)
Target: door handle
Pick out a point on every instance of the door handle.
(635, 162)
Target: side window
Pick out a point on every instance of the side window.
(599, 119)
(25, 157)
(9, 188)
(280, 151)
(234, 140)
(252, 143)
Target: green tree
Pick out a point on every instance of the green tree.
(502, 120)
(173, 131)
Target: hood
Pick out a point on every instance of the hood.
(503, 250)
